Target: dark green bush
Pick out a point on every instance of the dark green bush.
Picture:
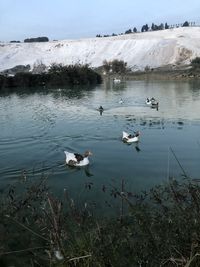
(57, 75)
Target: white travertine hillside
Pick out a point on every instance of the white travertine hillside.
(154, 49)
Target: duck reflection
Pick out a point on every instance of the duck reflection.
(86, 169)
(136, 145)
(154, 107)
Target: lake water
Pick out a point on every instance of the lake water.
(37, 127)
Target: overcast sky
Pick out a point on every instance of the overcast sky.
(67, 19)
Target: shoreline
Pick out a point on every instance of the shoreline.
(173, 75)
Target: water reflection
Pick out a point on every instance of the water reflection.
(68, 91)
(85, 169)
(38, 126)
(135, 145)
(110, 85)
(137, 148)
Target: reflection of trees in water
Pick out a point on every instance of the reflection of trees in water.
(158, 123)
(76, 92)
(71, 92)
(195, 88)
(161, 123)
(110, 85)
(131, 119)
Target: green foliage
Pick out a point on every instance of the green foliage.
(73, 74)
(115, 66)
(145, 28)
(119, 66)
(196, 62)
(155, 27)
(134, 29)
(162, 228)
(128, 31)
(37, 39)
(14, 41)
(166, 25)
(57, 75)
(186, 24)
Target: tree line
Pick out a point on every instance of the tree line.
(153, 27)
(33, 40)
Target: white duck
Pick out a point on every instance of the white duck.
(115, 80)
(75, 159)
(129, 138)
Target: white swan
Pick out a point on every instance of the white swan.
(121, 101)
(75, 159)
(129, 138)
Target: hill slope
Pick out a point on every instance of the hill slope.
(153, 49)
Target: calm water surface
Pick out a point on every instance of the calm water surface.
(37, 127)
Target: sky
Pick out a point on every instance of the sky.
(72, 19)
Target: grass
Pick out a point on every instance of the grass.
(160, 227)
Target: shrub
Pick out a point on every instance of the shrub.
(161, 227)
(196, 62)
(116, 66)
(57, 75)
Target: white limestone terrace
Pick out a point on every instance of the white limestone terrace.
(175, 47)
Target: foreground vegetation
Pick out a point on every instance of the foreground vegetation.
(160, 227)
(57, 75)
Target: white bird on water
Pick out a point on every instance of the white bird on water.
(130, 138)
(75, 159)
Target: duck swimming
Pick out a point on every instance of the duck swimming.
(100, 109)
(130, 138)
(75, 159)
(152, 101)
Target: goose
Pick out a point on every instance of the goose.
(75, 159)
(129, 138)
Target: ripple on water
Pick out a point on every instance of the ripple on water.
(37, 128)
